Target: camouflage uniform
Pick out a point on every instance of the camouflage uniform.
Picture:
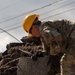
(59, 36)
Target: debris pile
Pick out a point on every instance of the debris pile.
(10, 58)
(15, 51)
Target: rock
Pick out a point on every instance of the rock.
(26, 66)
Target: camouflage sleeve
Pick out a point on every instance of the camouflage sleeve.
(60, 31)
(49, 32)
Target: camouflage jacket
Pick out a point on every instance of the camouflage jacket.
(62, 34)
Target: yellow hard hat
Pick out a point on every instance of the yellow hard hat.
(28, 21)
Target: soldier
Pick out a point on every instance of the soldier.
(38, 29)
(57, 36)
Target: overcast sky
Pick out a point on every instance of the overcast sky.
(12, 13)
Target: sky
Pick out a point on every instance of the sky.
(12, 13)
